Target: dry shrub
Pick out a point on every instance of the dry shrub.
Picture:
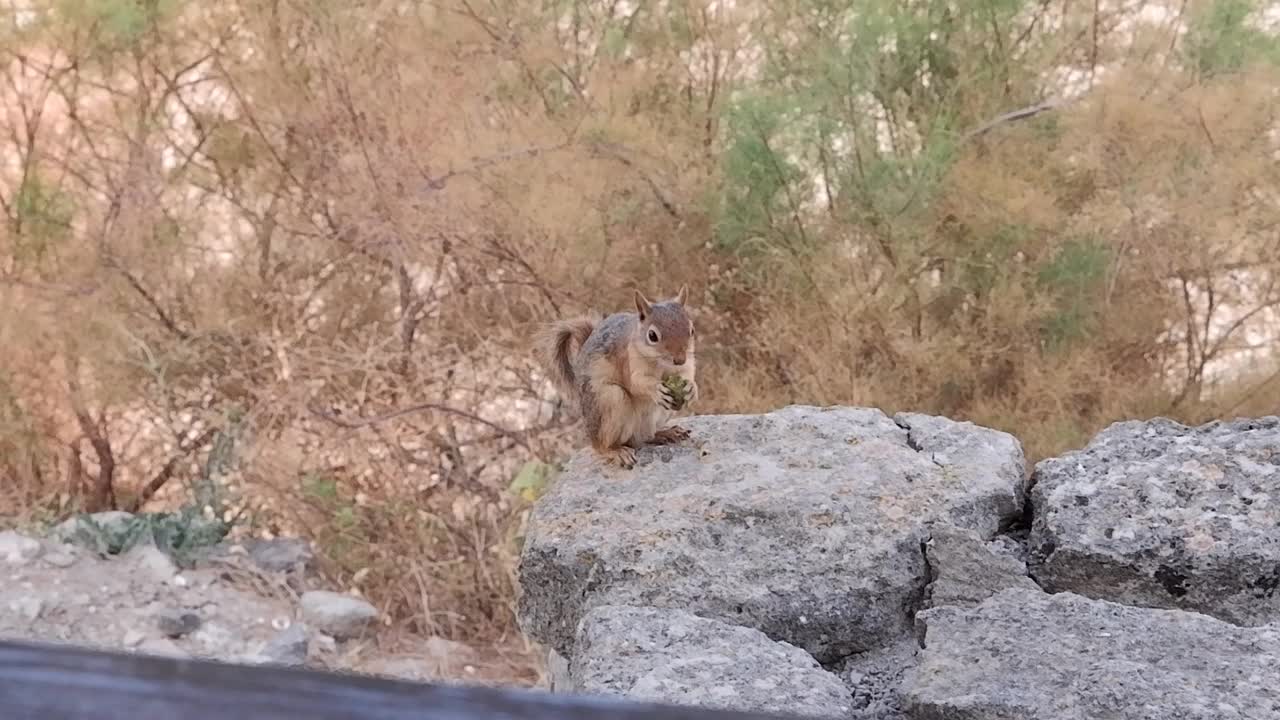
(1060, 284)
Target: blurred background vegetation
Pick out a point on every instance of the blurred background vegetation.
(297, 249)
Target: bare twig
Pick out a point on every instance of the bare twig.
(616, 153)
(103, 494)
(164, 317)
(481, 163)
(159, 479)
(1014, 116)
(421, 407)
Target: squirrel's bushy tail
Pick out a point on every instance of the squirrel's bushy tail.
(556, 346)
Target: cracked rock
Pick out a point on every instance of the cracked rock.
(805, 523)
(967, 570)
(1158, 514)
(671, 656)
(1033, 656)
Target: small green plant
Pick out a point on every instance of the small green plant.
(180, 535)
(532, 480)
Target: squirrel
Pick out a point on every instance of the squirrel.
(616, 377)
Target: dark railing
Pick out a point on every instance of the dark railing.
(59, 682)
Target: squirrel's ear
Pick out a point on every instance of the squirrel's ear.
(682, 295)
(642, 305)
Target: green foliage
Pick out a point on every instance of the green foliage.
(614, 43)
(115, 24)
(1072, 277)
(343, 535)
(165, 234)
(1075, 268)
(532, 480)
(21, 440)
(207, 491)
(890, 185)
(990, 259)
(1223, 38)
(181, 535)
(42, 216)
(757, 176)
(870, 97)
(319, 488)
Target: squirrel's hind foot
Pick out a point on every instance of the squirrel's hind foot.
(670, 435)
(622, 456)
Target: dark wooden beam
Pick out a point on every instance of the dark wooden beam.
(60, 682)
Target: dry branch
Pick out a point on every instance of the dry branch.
(1014, 116)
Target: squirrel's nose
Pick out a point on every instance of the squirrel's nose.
(678, 360)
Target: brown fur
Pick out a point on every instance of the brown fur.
(616, 375)
(555, 344)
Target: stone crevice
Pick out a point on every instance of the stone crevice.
(913, 442)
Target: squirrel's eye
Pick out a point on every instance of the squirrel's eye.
(653, 336)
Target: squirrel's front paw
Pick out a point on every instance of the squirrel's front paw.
(665, 398)
(693, 395)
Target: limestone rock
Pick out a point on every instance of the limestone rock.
(28, 609)
(18, 549)
(671, 656)
(967, 570)
(162, 647)
(805, 523)
(151, 562)
(288, 647)
(175, 623)
(448, 656)
(1033, 656)
(402, 668)
(558, 678)
(280, 554)
(1158, 514)
(61, 557)
(341, 616)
